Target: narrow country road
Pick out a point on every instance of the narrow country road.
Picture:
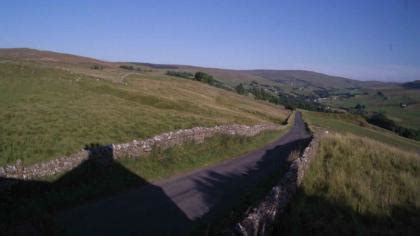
(174, 206)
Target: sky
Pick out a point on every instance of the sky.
(359, 39)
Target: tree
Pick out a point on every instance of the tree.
(127, 67)
(240, 89)
(97, 67)
(360, 108)
(381, 120)
(201, 76)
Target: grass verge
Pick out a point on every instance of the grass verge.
(371, 189)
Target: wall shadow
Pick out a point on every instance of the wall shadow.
(317, 215)
(29, 207)
(36, 207)
(230, 195)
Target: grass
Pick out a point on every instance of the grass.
(343, 123)
(48, 112)
(36, 201)
(371, 189)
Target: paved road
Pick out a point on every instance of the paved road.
(174, 206)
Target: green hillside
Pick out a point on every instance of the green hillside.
(49, 109)
(53, 104)
(336, 92)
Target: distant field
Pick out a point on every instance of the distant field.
(352, 124)
(47, 112)
(356, 186)
(389, 104)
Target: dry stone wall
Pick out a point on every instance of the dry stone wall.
(133, 149)
(259, 220)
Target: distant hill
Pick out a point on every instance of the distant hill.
(290, 78)
(287, 79)
(306, 78)
(27, 54)
(412, 85)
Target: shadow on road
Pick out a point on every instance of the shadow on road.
(32, 206)
(238, 191)
(28, 207)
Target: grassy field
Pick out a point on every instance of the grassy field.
(369, 190)
(47, 112)
(35, 201)
(352, 124)
(389, 104)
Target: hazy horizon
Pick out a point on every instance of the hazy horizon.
(361, 40)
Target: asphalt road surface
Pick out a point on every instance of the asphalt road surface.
(174, 206)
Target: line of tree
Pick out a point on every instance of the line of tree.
(383, 121)
(97, 67)
(181, 74)
(130, 67)
(201, 77)
(205, 78)
(209, 79)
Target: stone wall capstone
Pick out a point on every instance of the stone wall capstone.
(133, 149)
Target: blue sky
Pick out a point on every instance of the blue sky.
(368, 40)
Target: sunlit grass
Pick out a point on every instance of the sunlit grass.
(357, 185)
(47, 112)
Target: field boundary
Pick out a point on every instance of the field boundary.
(133, 149)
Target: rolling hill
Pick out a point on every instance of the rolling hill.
(288, 78)
(150, 88)
(412, 85)
(55, 106)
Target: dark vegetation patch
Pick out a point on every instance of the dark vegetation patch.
(157, 66)
(181, 74)
(97, 67)
(130, 67)
(201, 77)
